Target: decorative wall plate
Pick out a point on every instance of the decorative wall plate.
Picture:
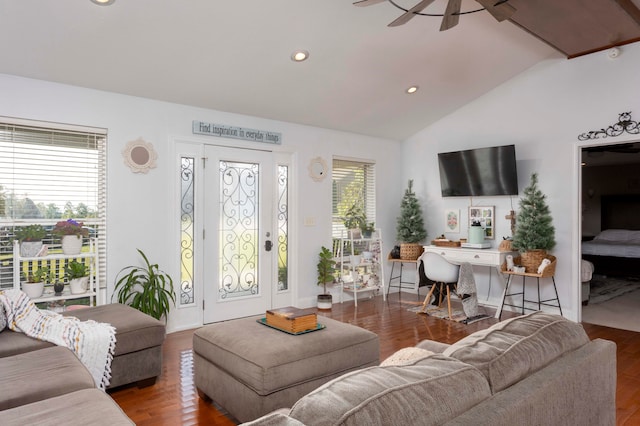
(317, 169)
(139, 156)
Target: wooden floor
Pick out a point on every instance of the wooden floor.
(173, 400)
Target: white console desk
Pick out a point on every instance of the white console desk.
(482, 257)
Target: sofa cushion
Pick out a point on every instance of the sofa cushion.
(513, 349)
(428, 392)
(83, 407)
(14, 343)
(135, 330)
(42, 374)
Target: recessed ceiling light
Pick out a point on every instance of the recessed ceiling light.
(103, 2)
(299, 55)
(412, 89)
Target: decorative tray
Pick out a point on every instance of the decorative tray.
(263, 321)
(445, 243)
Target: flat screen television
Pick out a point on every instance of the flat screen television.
(479, 172)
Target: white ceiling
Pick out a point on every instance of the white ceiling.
(234, 56)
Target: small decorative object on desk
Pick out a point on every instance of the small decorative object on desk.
(505, 244)
(58, 288)
(292, 320)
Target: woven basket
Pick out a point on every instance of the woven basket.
(410, 251)
(531, 260)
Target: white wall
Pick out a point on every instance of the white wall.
(140, 207)
(542, 111)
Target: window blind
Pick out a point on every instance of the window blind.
(354, 182)
(47, 174)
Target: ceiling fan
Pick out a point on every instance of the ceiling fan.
(499, 9)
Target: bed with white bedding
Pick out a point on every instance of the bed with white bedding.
(614, 252)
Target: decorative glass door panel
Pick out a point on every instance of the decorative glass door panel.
(239, 229)
(238, 225)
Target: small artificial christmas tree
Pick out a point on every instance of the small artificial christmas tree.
(410, 227)
(534, 230)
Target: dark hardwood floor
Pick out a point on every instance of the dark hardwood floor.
(173, 400)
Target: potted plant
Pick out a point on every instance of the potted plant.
(535, 233)
(355, 258)
(410, 226)
(326, 271)
(354, 218)
(77, 274)
(367, 229)
(147, 289)
(34, 285)
(70, 233)
(30, 238)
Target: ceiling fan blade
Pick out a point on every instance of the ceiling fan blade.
(451, 15)
(367, 2)
(500, 11)
(405, 17)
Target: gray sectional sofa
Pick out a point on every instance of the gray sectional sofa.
(46, 384)
(537, 369)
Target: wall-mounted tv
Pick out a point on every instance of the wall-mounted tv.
(479, 172)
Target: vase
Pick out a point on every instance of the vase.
(325, 301)
(30, 248)
(58, 288)
(476, 235)
(33, 290)
(71, 244)
(78, 285)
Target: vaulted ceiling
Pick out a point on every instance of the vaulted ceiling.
(234, 55)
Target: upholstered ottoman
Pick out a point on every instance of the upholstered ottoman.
(139, 338)
(250, 369)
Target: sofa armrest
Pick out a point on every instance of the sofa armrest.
(433, 346)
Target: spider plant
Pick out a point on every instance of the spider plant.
(147, 289)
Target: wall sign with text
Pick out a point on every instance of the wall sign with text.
(222, 131)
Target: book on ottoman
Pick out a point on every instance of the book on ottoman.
(292, 319)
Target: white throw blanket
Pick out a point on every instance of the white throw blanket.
(92, 342)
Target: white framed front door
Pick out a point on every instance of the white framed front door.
(239, 226)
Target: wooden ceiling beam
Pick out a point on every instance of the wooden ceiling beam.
(629, 7)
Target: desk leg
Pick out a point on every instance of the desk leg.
(504, 295)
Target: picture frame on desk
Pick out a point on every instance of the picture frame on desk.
(485, 215)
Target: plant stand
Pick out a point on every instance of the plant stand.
(358, 275)
(55, 260)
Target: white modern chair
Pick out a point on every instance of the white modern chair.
(443, 274)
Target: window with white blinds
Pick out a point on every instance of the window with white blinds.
(354, 183)
(50, 173)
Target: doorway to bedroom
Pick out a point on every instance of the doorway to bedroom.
(610, 224)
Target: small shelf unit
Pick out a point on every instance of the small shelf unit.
(361, 275)
(57, 261)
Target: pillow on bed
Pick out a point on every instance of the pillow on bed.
(621, 235)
